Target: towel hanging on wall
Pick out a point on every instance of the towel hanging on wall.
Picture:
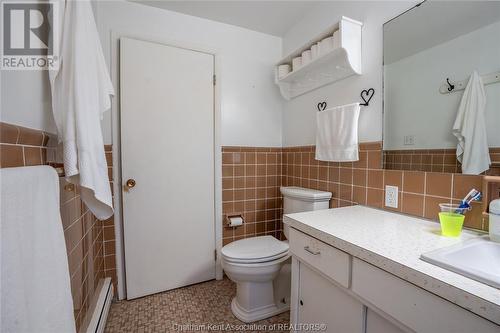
(470, 128)
(337, 133)
(81, 90)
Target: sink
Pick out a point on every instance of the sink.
(478, 259)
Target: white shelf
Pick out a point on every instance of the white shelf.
(335, 65)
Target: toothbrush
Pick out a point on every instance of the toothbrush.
(470, 194)
(473, 195)
(464, 204)
(476, 197)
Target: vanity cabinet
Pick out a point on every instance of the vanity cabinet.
(412, 306)
(349, 295)
(378, 324)
(321, 302)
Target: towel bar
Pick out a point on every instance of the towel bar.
(60, 172)
(366, 96)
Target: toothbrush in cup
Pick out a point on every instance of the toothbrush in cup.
(473, 195)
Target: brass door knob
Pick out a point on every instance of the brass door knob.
(129, 184)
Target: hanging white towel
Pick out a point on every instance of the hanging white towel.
(337, 133)
(35, 284)
(81, 90)
(470, 128)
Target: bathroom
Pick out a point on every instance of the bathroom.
(250, 166)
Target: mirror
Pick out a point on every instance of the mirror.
(423, 47)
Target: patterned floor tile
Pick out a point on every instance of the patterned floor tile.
(203, 307)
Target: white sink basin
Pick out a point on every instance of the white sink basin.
(478, 259)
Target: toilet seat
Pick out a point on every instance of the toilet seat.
(256, 261)
(255, 250)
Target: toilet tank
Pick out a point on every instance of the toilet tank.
(299, 199)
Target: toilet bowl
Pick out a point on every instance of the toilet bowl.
(254, 264)
(260, 266)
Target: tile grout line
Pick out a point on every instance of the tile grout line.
(425, 194)
(24, 157)
(402, 188)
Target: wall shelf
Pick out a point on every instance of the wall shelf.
(337, 64)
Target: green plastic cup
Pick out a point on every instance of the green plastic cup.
(451, 223)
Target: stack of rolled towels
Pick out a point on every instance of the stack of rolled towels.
(317, 50)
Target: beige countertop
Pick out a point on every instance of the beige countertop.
(394, 242)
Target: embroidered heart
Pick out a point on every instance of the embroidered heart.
(366, 95)
(321, 106)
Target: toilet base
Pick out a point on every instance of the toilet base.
(258, 313)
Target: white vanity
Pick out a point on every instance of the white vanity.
(358, 269)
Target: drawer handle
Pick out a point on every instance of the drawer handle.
(314, 253)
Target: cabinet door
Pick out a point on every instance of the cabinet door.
(378, 324)
(322, 302)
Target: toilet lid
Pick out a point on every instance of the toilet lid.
(255, 249)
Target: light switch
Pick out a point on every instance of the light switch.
(409, 140)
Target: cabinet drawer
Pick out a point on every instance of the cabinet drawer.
(414, 307)
(332, 262)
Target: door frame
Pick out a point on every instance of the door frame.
(116, 136)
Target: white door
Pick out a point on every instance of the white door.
(167, 149)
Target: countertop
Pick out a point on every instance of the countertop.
(394, 242)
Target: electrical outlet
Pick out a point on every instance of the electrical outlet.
(391, 196)
(409, 140)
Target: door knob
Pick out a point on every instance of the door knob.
(129, 184)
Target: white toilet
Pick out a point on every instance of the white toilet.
(260, 266)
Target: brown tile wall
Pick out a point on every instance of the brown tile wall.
(84, 234)
(251, 178)
(84, 243)
(435, 160)
(363, 182)
(21, 146)
(109, 229)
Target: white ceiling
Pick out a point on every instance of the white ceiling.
(270, 17)
(433, 23)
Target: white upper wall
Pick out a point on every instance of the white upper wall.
(406, 35)
(250, 102)
(26, 99)
(299, 114)
(414, 106)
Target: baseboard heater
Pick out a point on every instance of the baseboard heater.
(97, 321)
